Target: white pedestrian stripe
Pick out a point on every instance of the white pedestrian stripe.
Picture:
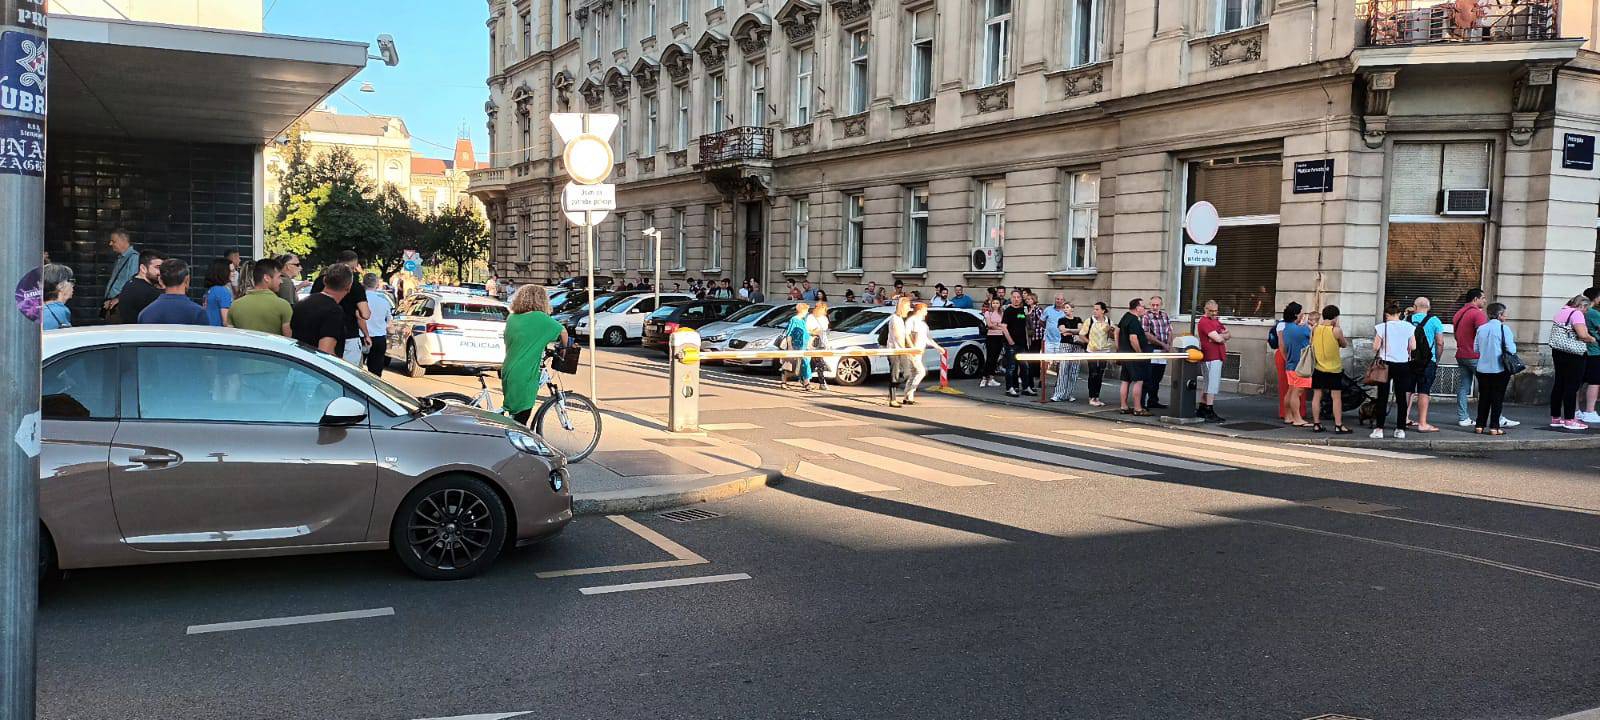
(840, 422)
(1041, 456)
(1147, 458)
(1247, 447)
(292, 620)
(1390, 454)
(1185, 449)
(820, 475)
(724, 427)
(977, 461)
(680, 582)
(884, 463)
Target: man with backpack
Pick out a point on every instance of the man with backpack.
(1424, 361)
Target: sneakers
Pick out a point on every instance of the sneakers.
(1012, 393)
(1575, 425)
(1399, 434)
(1587, 417)
(1507, 422)
(1467, 423)
(1072, 398)
(1556, 422)
(1377, 434)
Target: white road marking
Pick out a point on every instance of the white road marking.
(293, 620)
(840, 422)
(1373, 452)
(1213, 441)
(833, 478)
(681, 555)
(1148, 458)
(880, 462)
(982, 463)
(1108, 438)
(1041, 456)
(680, 582)
(485, 716)
(1427, 550)
(1582, 714)
(724, 427)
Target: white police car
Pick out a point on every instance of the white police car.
(959, 332)
(454, 329)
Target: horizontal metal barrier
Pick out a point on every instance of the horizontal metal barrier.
(795, 354)
(1191, 356)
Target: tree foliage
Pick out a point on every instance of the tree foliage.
(456, 233)
(325, 205)
(406, 229)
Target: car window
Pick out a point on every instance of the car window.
(475, 311)
(643, 304)
(82, 386)
(838, 315)
(663, 312)
(697, 312)
(778, 318)
(861, 322)
(425, 309)
(748, 312)
(219, 384)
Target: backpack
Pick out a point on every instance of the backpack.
(1422, 354)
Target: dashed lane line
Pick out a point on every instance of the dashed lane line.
(291, 620)
(679, 582)
(899, 467)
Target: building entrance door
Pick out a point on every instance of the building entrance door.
(755, 242)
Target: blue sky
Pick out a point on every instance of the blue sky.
(444, 58)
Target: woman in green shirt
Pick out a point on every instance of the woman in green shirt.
(529, 330)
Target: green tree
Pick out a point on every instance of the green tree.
(456, 233)
(406, 229)
(326, 206)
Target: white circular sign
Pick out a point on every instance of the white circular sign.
(588, 159)
(1200, 223)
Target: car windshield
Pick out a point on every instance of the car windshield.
(571, 301)
(862, 322)
(475, 311)
(778, 319)
(664, 311)
(840, 314)
(605, 304)
(748, 312)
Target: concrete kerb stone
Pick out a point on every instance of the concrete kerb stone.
(657, 497)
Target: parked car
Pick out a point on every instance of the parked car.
(764, 335)
(959, 332)
(434, 329)
(692, 314)
(170, 443)
(624, 320)
(602, 302)
(714, 336)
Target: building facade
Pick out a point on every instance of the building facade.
(1357, 152)
(381, 145)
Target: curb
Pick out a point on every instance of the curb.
(657, 497)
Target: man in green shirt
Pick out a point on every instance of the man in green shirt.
(529, 330)
(261, 309)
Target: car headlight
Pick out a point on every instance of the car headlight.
(529, 444)
(714, 338)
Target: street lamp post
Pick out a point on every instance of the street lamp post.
(655, 237)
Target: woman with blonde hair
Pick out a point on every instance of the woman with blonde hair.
(817, 326)
(529, 330)
(797, 336)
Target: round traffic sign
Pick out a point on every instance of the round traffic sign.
(1200, 223)
(588, 159)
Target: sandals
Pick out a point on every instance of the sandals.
(1317, 428)
(1341, 430)
(1140, 413)
(1125, 411)
(1496, 431)
(1301, 424)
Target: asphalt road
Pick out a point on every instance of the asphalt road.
(918, 565)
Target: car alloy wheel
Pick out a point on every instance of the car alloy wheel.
(450, 528)
(615, 337)
(414, 367)
(968, 363)
(850, 371)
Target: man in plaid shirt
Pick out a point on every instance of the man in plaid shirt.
(1035, 336)
(1158, 327)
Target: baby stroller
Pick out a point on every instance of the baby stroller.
(1353, 396)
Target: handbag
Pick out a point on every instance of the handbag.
(1509, 360)
(1378, 372)
(1565, 339)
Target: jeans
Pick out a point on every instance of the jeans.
(1469, 370)
(1066, 371)
(1400, 382)
(1564, 393)
(1019, 374)
(1152, 382)
(1097, 378)
(1491, 398)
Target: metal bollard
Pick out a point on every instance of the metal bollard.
(683, 398)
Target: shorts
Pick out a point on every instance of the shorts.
(1591, 370)
(1327, 380)
(1135, 370)
(1295, 381)
(1213, 374)
(1424, 377)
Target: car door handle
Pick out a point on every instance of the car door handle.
(155, 459)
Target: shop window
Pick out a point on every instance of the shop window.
(1245, 190)
(1429, 254)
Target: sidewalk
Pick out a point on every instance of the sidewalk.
(641, 467)
(1255, 417)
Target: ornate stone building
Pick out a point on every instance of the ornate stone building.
(1356, 152)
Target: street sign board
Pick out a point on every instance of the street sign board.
(1201, 222)
(1577, 152)
(578, 198)
(1313, 176)
(412, 266)
(577, 218)
(1199, 255)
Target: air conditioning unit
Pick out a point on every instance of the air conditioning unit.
(1464, 202)
(986, 259)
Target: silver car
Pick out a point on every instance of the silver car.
(715, 336)
(166, 443)
(764, 334)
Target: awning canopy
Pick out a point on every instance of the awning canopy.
(151, 81)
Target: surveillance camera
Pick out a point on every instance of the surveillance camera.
(387, 51)
(281, 140)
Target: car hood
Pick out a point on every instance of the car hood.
(754, 333)
(456, 418)
(720, 327)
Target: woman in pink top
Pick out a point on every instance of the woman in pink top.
(994, 341)
(1568, 366)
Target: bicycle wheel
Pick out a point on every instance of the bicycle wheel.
(454, 397)
(570, 423)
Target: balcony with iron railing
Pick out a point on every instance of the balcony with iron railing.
(734, 146)
(1425, 22)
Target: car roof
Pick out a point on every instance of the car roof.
(459, 297)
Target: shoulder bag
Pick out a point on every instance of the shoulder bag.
(1509, 360)
(1378, 372)
(1306, 366)
(1565, 339)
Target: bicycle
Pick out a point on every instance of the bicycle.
(578, 424)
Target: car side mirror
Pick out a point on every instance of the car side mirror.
(343, 412)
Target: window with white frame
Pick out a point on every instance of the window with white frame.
(1246, 190)
(719, 102)
(1085, 32)
(652, 112)
(804, 60)
(622, 25)
(713, 237)
(619, 149)
(649, 18)
(622, 243)
(527, 34)
(756, 113)
(525, 135)
(1081, 222)
(915, 254)
(858, 85)
(799, 233)
(996, 41)
(680, 124)
(920, 64)
(680, 239)
(991, 214)
(1236, 14)
(649, 245)
(855, 231)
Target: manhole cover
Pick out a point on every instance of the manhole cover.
(688, 515)
(1251, 426)
(1347, 505)
(679, 442)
